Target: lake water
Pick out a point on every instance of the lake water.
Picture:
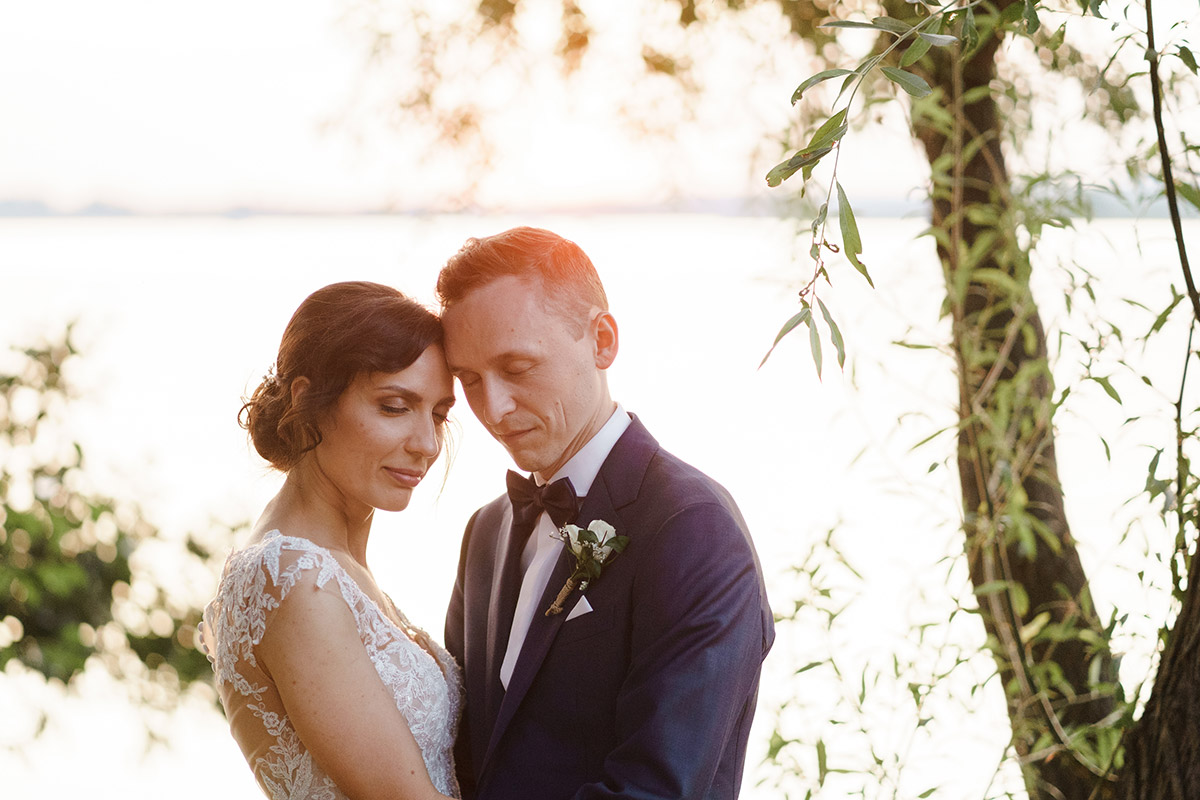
(179, 317)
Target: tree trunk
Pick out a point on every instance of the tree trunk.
(1162, 751)
(1023, 561)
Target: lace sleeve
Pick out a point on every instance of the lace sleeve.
(422, 678)
(255, 582)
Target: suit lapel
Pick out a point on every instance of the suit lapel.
(499, 618)
(615, 486)
(543, 629)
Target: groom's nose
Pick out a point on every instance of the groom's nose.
(495, 401)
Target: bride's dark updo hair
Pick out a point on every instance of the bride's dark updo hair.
(337, 333)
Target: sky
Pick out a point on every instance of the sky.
(167, 107)
(187, 107)
(175, 106)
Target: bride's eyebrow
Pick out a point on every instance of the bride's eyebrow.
(396, 389)
(410, 396)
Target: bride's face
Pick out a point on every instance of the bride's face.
(384, 432)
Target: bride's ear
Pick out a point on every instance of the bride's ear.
(298, 388)
(605, 339)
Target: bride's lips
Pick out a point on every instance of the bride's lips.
(405, 477)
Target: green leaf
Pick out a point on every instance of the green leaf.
(819, 220)
(1151, 481)
(1012, 12)
(1031, 18)
(1056, 40)
(776, 744)
(786, 329)
(939, 39)
(61, 580)
(1034, 626)
(849, 23)
(997, 278)
(1166, 312)
(891, 25)
(818, 78)
(970, 30)
(814, 343)
(913, 84)
(868, 64)
(914, 52)
(835, 335)
(1188, 192)
(829, 132)
(781, 172)
(1189, 60)
(851, 242)
(1108, 388)
(1019, 599)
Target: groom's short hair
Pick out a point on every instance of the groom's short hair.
(561, 267)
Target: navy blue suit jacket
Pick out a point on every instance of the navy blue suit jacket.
(650, 694)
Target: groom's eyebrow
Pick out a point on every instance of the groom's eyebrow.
(498, 358)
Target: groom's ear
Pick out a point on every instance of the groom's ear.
(605, 341)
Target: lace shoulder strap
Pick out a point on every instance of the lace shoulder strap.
(255, 582)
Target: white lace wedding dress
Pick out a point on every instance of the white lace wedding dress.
(256, 580)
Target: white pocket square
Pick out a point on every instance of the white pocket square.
(581, 608)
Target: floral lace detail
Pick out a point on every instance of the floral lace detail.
(256, 580)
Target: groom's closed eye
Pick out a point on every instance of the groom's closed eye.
(518, 367)
(466, 378)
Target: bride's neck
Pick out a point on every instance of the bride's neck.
(310, 507)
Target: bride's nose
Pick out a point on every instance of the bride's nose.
(425, 439)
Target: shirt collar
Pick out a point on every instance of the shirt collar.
(585, 465)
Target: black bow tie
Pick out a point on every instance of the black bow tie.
(557, 499)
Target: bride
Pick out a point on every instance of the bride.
(329, 691)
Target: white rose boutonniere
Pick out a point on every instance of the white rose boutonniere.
(592, 547)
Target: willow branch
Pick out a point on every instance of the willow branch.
(1165, 159)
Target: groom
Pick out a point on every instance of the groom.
(644, 685)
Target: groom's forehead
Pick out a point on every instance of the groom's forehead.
(506, 305)
(494, 335)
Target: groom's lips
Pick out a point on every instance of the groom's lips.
(510, 439)
(405, 477)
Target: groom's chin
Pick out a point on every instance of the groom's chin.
(525, 459)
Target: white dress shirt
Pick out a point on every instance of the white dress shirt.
(542, 550)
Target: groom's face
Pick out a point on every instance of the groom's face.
(529, 377)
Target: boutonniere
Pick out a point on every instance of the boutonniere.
(592, 547)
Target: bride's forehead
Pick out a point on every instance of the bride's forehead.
(424, 378)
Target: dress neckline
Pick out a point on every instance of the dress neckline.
(411, 633)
